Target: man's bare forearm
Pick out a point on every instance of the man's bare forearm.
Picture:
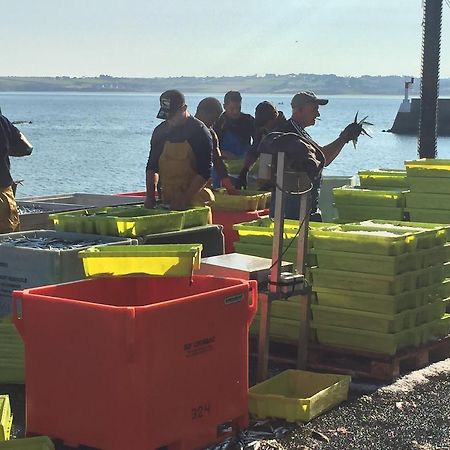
(151, 180)
(332, 150)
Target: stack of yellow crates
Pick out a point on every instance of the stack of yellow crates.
(381, 195)
(378, 286)
(355, 203)
(429, 199)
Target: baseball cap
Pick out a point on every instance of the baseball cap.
(232, 96)
(170, 102)
(264, 112)
(302, 98)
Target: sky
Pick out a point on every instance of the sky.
(152, 38)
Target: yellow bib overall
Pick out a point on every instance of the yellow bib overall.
(176, 169)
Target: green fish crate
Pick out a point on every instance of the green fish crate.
(140, 222)
(351, 213)
(12, 354)
(370, 321)
(283, 309)
(297, 395)
(446, 287)
(430, 312)
(429, 276)
(33, 443)
(383, 178)
(82, 221)
(436, 330)
(431, 256)
(285, 330)
(356, 196)
(367, 263)
(159, 260)
(368, 302)
(437, 216)
(428, 201)
(368, 341)
(264, 198)
(447, 270)
(85, 220)
(447, 251)
(265, 251)
(196, 217)
(447, 304)
(439, 232)
(124, 221)
(388, 243)
(363, 282)
(435, 168)
(426, 237)
(427, 226)
(6, 418)
(240, 202)
(432, 293)
(261, 231)
(431, 185)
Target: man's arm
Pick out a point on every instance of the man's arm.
(151, 172)
(332, 150)
(250, 159)
(349, 133)
(195, 186)
(151, 180)
(220, 166)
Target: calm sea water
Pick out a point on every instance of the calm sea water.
(99, 142)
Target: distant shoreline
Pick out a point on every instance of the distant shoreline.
(213, 94)
(268, 84)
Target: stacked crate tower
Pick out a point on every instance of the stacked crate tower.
(429, 199)
(378, 286)
(381, 195)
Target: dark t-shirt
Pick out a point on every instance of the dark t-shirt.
(279, 125)
(292, 127)
(242, 130)
(195, 133)
(8, 134)
(218, 163)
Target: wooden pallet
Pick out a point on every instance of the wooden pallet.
(360, 364)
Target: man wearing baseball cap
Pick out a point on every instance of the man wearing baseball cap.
(305, 111)
(180, 156)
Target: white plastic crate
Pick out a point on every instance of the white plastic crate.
(23, 267)
(39, 220)
(86, 199)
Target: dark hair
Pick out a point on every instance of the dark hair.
(264, 112)
(210, 106)
(232, 96)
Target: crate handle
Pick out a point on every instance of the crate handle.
(17, 312)
(253, 297)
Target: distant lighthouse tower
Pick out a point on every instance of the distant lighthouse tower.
(406, 104)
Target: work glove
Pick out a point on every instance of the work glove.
(351, 132)
(228, 185)
(242, 179)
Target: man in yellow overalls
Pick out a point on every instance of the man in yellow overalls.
(181, 155)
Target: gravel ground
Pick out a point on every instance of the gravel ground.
(412, 413)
